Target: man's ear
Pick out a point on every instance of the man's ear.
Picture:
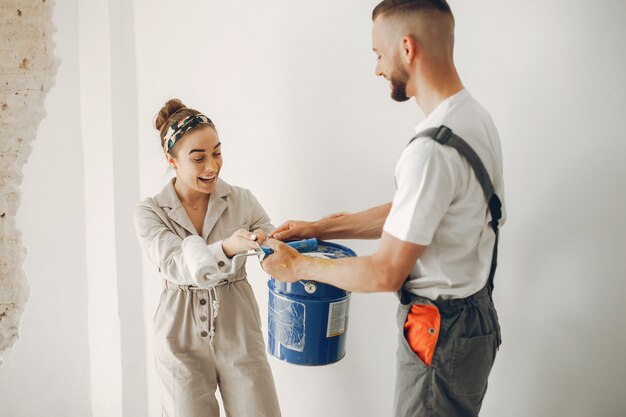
(410, 49)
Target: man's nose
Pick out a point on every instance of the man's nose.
(377, 70)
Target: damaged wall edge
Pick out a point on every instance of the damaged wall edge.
(27, 72)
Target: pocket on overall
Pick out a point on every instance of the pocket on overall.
(421, 330)
(471, 364)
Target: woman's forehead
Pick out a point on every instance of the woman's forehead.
(205, 138)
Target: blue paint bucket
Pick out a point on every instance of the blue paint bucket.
(308, 320)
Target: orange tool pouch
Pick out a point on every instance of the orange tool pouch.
(421, 330)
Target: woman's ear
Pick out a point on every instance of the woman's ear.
(171, 161)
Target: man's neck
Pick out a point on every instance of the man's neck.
(436, 88)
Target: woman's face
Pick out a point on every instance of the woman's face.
(198, 160)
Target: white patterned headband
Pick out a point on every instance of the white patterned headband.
(179, 128)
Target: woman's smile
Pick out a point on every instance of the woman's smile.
(208, 179)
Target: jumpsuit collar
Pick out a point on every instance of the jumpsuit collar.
(168, 199)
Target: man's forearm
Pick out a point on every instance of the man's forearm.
(367, 224)
(361, 274)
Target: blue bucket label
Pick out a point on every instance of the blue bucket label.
(337, 318)
(287, 323)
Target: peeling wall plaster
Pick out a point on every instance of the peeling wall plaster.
(27, 71)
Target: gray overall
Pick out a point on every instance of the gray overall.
(454, 384)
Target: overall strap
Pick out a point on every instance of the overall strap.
(445, 136)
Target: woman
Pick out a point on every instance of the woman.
(207, 332)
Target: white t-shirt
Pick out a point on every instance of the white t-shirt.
(440, 204)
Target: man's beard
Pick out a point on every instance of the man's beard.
(399, 78)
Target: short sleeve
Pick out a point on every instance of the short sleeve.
(427, 181)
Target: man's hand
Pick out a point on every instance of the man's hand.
(295, 230)
(366, 224)
(283, 263)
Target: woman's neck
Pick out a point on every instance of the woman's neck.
(188, 195)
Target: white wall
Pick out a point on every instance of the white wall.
(47, 373)
(307, 126)
(108, 115)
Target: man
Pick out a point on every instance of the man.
(440, 231)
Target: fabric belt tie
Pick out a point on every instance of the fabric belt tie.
(214, 301)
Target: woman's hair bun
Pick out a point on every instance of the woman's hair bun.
(168, 109)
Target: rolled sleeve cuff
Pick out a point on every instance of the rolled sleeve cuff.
(403, 234)
(200, 262)
(220, 257)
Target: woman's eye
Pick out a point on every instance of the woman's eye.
(199, 160)
(217, 154)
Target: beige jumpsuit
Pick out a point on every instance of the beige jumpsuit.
(191, 359)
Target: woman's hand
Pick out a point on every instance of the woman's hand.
(241, 241)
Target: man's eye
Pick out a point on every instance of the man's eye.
(199, 160)
(217, 154)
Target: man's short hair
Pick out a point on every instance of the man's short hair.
(398, 7)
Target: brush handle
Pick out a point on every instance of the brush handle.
(302, 246)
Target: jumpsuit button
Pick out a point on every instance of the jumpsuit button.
(204, 334)
(202, 301)
(221, 263)
(203, 318)
(431, 330)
